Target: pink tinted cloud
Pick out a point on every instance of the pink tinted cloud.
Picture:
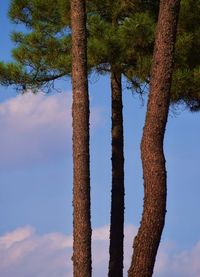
(23, 252)
(174, 263)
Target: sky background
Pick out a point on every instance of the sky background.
(36, 179)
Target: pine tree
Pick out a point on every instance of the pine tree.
(40, 64)
(80, 115)
(153, 160)
(186, 74)
(109, 27)
(120, 39)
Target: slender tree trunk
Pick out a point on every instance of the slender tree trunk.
(80, 113)
(117, 197)
(148, 238)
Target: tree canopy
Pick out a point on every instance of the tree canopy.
(118, 31)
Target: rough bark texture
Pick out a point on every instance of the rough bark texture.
(117, 193)
(148, 238)
(80, 112)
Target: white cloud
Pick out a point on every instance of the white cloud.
(17, 235)
(36, 128)
(174, 263)
(24, 253)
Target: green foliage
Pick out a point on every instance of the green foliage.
(186, 77)
(11, 73)
(120, 33)
(117, 34)
(185, 89)
(51, 15)
(43, 50)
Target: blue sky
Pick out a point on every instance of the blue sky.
(36, 179)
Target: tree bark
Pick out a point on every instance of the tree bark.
(81, 170)
(117, 193)
(153, 218)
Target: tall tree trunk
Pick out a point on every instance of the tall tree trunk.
(148, 238)
(80, 113)
(117, 197)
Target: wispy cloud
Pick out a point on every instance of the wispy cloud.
(24, 252)
(36, 128)
(31, 254)
(174, 263)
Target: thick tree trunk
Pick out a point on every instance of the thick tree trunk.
(117, 194)
(80, 113)
(148, 238)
